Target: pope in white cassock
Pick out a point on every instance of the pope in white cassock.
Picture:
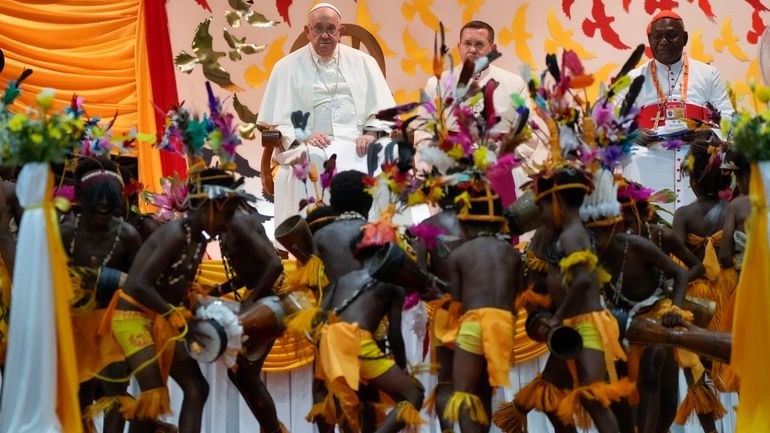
(675, 87)
(341, 87)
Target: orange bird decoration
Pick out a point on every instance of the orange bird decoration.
(562, 39)
(364, 19)
(651, 6)
(705, 6)
(471, 8)
(603, 24)
(519, 36)
(422, 8)
(566, 7)
(283, 10)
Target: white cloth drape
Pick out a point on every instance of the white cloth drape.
(29, 386)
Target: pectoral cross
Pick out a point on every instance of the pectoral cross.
(658, 117)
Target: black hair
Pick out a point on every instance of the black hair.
(320, 217)
(481, 25)
(211, 176)
(95, 189)
(738, 158)
(480, 208)
(573, 197)
(348, 193)
(708, 179)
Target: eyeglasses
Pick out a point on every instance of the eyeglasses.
(331, 31)
(478, 46)
(669, 35)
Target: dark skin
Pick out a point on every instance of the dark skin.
(484, 274)
(738, 212)
(665, 239)
(704, 217)
(93, 240)
(658, 371)
(581, 296)
(437, 262)
(9, 209)
(368, 310)
(149, 283)
(667, 39)
(256, 264)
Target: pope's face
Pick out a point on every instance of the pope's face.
(667, 39)
(474, 43)
(323, 30)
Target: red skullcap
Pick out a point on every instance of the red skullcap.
(661, 15)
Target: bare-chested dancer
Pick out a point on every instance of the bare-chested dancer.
(253, 260)
(436, 261)
(484, 273)
(99, 243)
(639, 272)
(575, 290)
(699, 225)
(157, 288)
(348, 354)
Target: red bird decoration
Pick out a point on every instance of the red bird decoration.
(757, 5)
(204, 5)
(705, 6)
(650, 6)
(603, 24)
(566, 6)
(283, 10)
(757, 27)
(626, 3)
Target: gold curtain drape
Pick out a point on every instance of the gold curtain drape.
(95, 48)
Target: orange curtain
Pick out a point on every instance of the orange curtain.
(94, 48)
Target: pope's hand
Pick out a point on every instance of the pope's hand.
(362, 143)
(319, 139)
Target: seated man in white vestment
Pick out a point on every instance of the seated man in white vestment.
(676, 87)
(477, 39)
(341, 87)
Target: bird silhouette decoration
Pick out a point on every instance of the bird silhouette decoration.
(562, 38)
(364, 19)
(757, 23)
(256, 76)
(519, 36)
(204, 55)
(727, 39)
(652, 6)
(698, 48)
(416, 56)
(421, 8)
(603, 24)
(470, 8)
(241, 9)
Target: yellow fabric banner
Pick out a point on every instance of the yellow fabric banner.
(751, 326)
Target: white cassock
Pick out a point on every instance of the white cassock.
(509, 84)
(340, 94)
(686, 88)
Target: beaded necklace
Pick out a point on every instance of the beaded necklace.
(114, 246)
(192, 264)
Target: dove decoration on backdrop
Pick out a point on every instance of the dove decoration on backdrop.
(698, 48)
(741, 88)
(410, 8)
(561, 39)
(653, 6)
(705, 6)
(602, 75)
(256, 76)
(403, 96)
(283, 10)
(242, 10)
(471, 8)
(364, 19)
(602, 23)
(204, 55)
(727, 39)
(204, 5)
(416, 56)
(566, 7)
(757, 25)
(519, 36)
(239, 46)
